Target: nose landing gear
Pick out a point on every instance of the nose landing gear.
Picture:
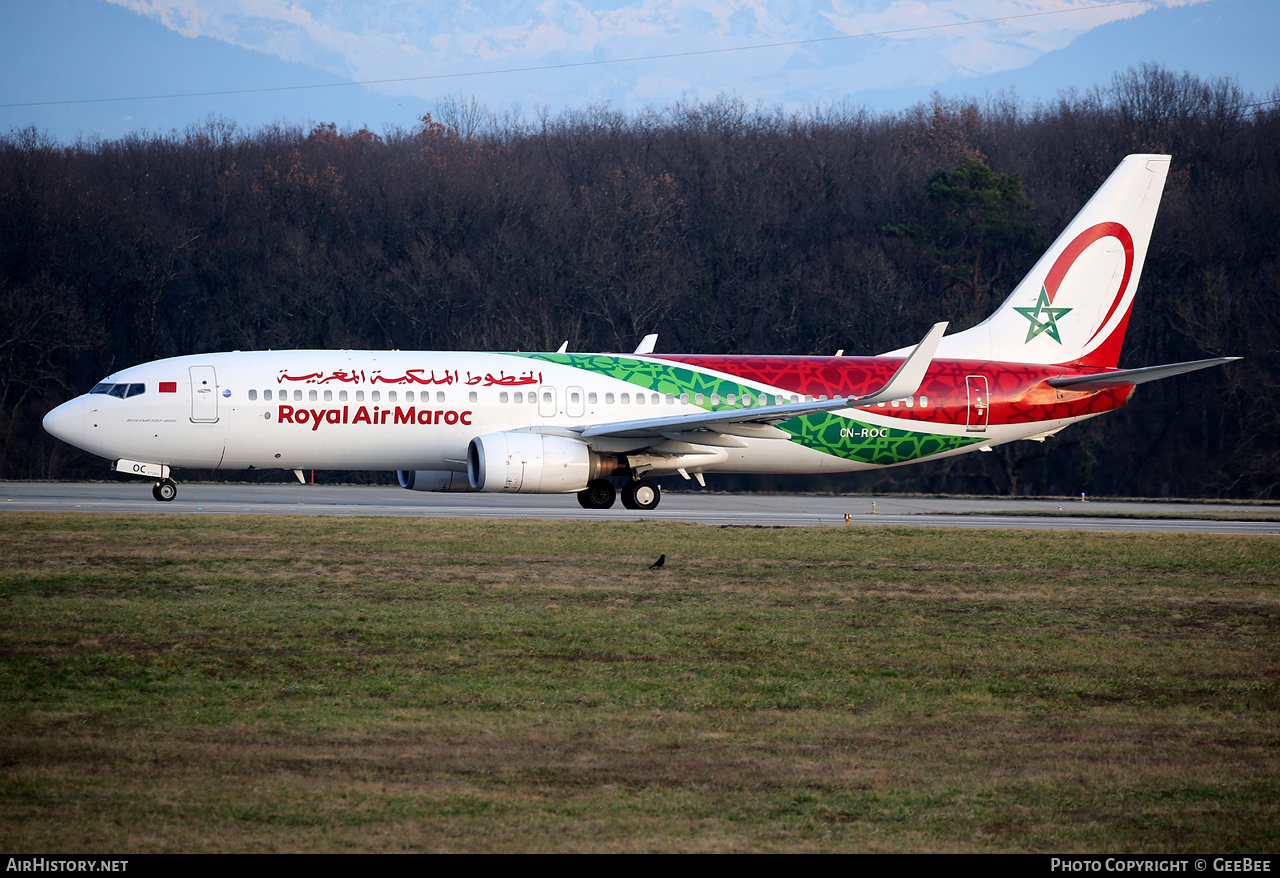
(165, 490)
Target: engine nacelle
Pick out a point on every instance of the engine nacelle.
(534, 463)
(433, 480)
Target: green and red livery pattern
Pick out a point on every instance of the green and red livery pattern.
(1018, 395)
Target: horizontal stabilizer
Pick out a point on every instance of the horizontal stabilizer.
(1104, 380)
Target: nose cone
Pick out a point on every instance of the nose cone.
(66, 422)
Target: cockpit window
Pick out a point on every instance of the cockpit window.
(123, 391)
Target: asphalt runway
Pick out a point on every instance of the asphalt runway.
(765, 510)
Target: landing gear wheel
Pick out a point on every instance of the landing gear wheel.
(165, 490)
(598, 494)
(641, 494)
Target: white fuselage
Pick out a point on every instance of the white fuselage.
(392, 410)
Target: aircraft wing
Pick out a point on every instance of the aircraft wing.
(757, 421)
(1103, 380)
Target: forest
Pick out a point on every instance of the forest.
(724, 227)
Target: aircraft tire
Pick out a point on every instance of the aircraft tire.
(165, 490)
(599, 494)
(641, 494)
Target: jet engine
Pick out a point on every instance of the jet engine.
(535, 463)
(433, 480)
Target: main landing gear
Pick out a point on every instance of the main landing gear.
(165, 490)
(598, 494)
(641, 494)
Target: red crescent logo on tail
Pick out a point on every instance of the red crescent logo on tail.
(1082, 241)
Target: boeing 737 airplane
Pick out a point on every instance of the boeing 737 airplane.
(568, 423)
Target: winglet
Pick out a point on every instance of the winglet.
(647, 344)
(906, 381)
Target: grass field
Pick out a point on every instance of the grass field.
(172, 683)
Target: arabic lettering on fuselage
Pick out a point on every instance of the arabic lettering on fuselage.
(414, 376)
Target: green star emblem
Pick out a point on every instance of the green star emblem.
(1043, 318)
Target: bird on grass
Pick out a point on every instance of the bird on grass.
(662, 559)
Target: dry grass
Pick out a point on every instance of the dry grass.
(258, 684)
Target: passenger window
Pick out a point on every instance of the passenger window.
(502, 397)
(671, 399)
(546, 397)
(608, 399)
(575, 397)
(253, 394)
(591, 399)
(697, 399)
(715, 399)
(626, 398)
(439, 396)
(266, 394)
(639, 398)
(328, 396)
(746, 399)
(730, 398)
(391, 396)
(653, 398)
(519, 397)
(342, 396)
(312, 395)
(924, 402)
(375, 395)
(297, 396)
(795, 398)
(473, 397)
(359, 396)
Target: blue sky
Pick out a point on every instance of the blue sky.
(294, 61)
